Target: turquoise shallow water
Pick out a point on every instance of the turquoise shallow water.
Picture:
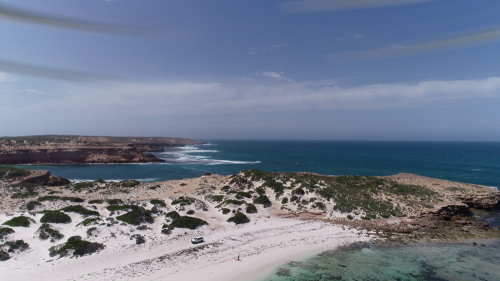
(471, 162)
(421, 261)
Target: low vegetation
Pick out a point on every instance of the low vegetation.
(5, 231)
(239, 218)
(10, 173)
(183, 201)
(76, 246)
(80, 210)
(251, 209)
(32, 204)
(46, 231)
(158, 202)
(263, 200)
(90, 221)
(115, 201)
(186, 222)
(96, 201)
(136, 215)
(55, 217)
(55, 198)
(20, 221)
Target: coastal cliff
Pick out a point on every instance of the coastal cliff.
(78, 149)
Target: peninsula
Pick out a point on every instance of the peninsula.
(130, 230)
(62, 149)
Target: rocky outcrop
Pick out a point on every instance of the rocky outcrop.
(44, 177)
(481, 201)
(444, 212)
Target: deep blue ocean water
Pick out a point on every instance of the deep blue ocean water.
(470, 162)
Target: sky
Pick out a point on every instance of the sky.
(255, 69)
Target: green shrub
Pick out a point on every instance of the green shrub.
(260, 190)
(225, 211)
(251, 209)
(24, 190)
(207, 174)
(225, 188)
(18, 245)
(4, 231)
(96, 201)
(82, 185)
(55, 217)
(239, 218)
(349, 217)
(242, 194)
(100, 181)
(80, 210)
(136, 216)
(172, 215)
(90, 221)
(320, 205)
(284, 200)
(54, 198)
(234, 202)
(20, 221)
(182, 201)
(32, 204)
(129, 183)
(158, 202)
(7, 173)
(299, 191)
(263, 200)
(115, 201)
(45, 232)
(187, 222)
(80, 247)
(217, 198)
(190, 212)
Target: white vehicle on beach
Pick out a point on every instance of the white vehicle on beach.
(197, 240)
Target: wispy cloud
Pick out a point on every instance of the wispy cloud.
(358, 36)
(273, 74)
(329, 5)
(4, 77)
(270, 48)
(33, 91)
(397, 50)
(117, 99)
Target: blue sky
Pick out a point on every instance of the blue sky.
(260, 69)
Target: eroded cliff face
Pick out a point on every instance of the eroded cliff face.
(72, 156)
(80, 149)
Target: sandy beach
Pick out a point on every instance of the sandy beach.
(262, 245)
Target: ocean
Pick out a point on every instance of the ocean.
(469, 162)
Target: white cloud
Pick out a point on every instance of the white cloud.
(273, 74)
(358, 36)
(119, 99)
(33, 91)
(4, 77)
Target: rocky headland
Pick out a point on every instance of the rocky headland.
(84, 149)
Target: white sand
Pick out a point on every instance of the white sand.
(262, 244)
